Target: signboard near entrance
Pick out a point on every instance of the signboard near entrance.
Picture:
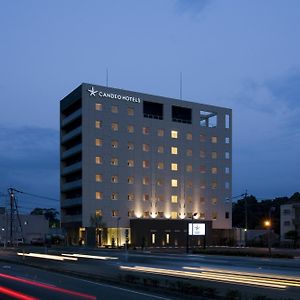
(196, 229)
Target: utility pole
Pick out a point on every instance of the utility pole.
(246, 216)
(12, 199)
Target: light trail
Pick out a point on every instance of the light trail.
(47, 256)
(215, 276)
(89, 256)
(15, 294)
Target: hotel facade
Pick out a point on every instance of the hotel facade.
(143, 166)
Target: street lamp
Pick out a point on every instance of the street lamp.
(268, 226)
(187, 236)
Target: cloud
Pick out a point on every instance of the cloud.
(193, 7)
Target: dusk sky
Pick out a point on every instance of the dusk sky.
(240, 54)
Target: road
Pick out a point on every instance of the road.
(39, 284)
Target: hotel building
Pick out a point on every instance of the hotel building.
(142, 161)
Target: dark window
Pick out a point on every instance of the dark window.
(226, 215)
(153, 110)
(181, 114)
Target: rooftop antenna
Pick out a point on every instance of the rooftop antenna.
(106, 77)
(180, 85)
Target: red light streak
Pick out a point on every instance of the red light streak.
(49, 287)
(15, 294)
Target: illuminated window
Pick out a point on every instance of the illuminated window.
(98, 160)
(160, 149)
(146, 214)
(202, 169)
(189, 152)
(114, 126)
(146, 180)
(160, 165)
(174, 167)
(114, 144)
(174, 150)
(99, 195)
(98, 142)
(114, 213)
(227, 155)
(131, 213)
(130, 196)
(174, 182)
(174, 198)
(114, 161)
(98, 124)
(174, 215)
(130, 180)
(167, 238)
(202, 154)
(130, 129)
(114, 109)
(130, 111)
(146, 147)
(189, 168)
(214, 155)
(114, 196)
(160, 132)
(153, 235)
(202, 215)
(130, 163)
(202, 185)
(174, 134)
(214, 170)
(130, 146)
(98, 212)
(227, 140)
(189, 136)
(214, 201)
(98, 106)
(146, 164)
(227, 170)
(145, 130)
(146, 197)
(214, 185)
(202, 138)
(114, 179)
(214, 215)
(98, 178)
(214, 139)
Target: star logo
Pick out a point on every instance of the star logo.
(92, 91)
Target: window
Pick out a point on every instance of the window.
(146, 180)
(98, 160)
(146, 197)
(287, 223)
(214, 155)
(214, 201)
(189, 136)
(227, 155)
(189, 152)
(181, 114)
(189, 184)
(174, 167)
(114, 213)
(202, 169)
(98, 142)
(98, 213)
(202, 138)
(174, 199)
(114, 126)
(114, 179)
(146, 147)
(130, 196)
(202, 200)
(160, 132)
(202, 185)
(227, 121)
(227, 185)
(130, 180)
(214, 185)
(286, 211)
(160, 198)
(114, 196)
(173, 215)
(214, 139)
(145, 130)
(114, 161)
(202, 215)
(160, 165)
(189, 199)
(227, 140)
(202, 154)
(153, 110)
(160, 149)
(98, 178)
(189, 168)
(174, 150)
(130, 129)
(214, 170)
(130, 163)
(114, 109)
(131, 213)
(114, 144)
(227, 170)
(130, 111)
(130, 146)
(174, 182)
(174, 134)
(153, 235)
(146, 164)
(146, 214)
(160, 182)
(214, 215)
(98, 106)
(99, 195)
(208, 119)
(227, 215)
(98, 124)
(167, 238)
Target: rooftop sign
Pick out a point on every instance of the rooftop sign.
(101, 94)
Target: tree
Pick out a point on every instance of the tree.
(50, 214)
(292, 235)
